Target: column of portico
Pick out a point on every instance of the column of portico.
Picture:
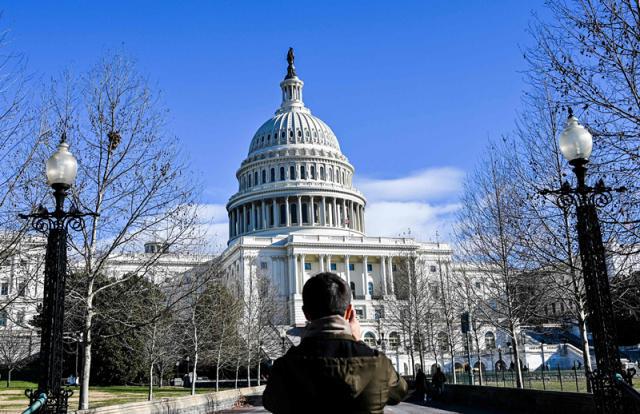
(328, 262)
(286, 201)
(365, 291)
(299, 211)
(302, 277)
(335, 213)
(383, 270)
(264, 215)
(321, 259)
(344, 214)
(311, 212)
(348, 272)
(362, 219)
(323, 217)
(352, 220)
(276, 216)
(409, 275)
(230, 223)
(252, 221)
(238, 211)
(293, 274)
(391, 282)
(244, 218)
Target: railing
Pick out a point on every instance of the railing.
(37, 404)
(296, 185)
(354, 239)
(630, 397)
(573, 380)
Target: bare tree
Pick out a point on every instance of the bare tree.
(414, 308)
(549, 237)
(262, 310)
(488, 234)
(131, 173)
(22, 144)
(589, 52)
(16, 347)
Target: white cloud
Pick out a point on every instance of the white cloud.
(422, 203)
(428, 184)
(422, 220)
(214, 223)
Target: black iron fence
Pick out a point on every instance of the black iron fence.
(552, 380)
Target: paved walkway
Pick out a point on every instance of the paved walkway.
(403, 408)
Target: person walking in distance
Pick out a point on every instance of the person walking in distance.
(421, 386)
(438, 381)
(331, 371)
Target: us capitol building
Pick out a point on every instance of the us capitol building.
(297, 213)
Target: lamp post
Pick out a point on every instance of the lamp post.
(576, 144)
(61, 172)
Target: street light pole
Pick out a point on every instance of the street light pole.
(61, 172)
(576, 145)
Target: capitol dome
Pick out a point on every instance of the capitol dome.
(295, 178)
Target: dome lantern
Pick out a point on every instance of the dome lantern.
(291, 87)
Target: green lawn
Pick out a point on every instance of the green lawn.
(12, 399)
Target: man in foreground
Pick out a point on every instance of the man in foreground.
(331, 371)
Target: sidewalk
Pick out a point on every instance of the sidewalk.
(402, 408)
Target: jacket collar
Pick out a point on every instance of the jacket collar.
(334, 325)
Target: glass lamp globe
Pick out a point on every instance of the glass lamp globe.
(575, 141)
(62, 167)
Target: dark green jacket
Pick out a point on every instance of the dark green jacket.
(332, 373)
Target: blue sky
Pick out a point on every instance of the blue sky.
(412, 89)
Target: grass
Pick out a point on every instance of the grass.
(12, 399)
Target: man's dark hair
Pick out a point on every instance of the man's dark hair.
(325, 294)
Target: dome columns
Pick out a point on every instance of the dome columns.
(299, 211)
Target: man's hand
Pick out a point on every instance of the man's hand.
(354, 324)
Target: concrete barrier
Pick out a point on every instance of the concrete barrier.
(193, 404)
(520, 400)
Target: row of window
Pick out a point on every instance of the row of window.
(334, 267)
(4, 288)
(369, 338)
(290, 137)
(443, 341)
(4, 317)
(294, 172)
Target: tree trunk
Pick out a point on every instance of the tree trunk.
(150, 393)
(83, 403)
(219, 356)
(516, 356)
(259, 371)
(237, 371)
(453, 367)
(9, 377)
(248, 366)
(194, 374)
(586, 355)
(479, 362)
(161, 375)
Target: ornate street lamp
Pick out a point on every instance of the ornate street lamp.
(576, 144)
(61, 174)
